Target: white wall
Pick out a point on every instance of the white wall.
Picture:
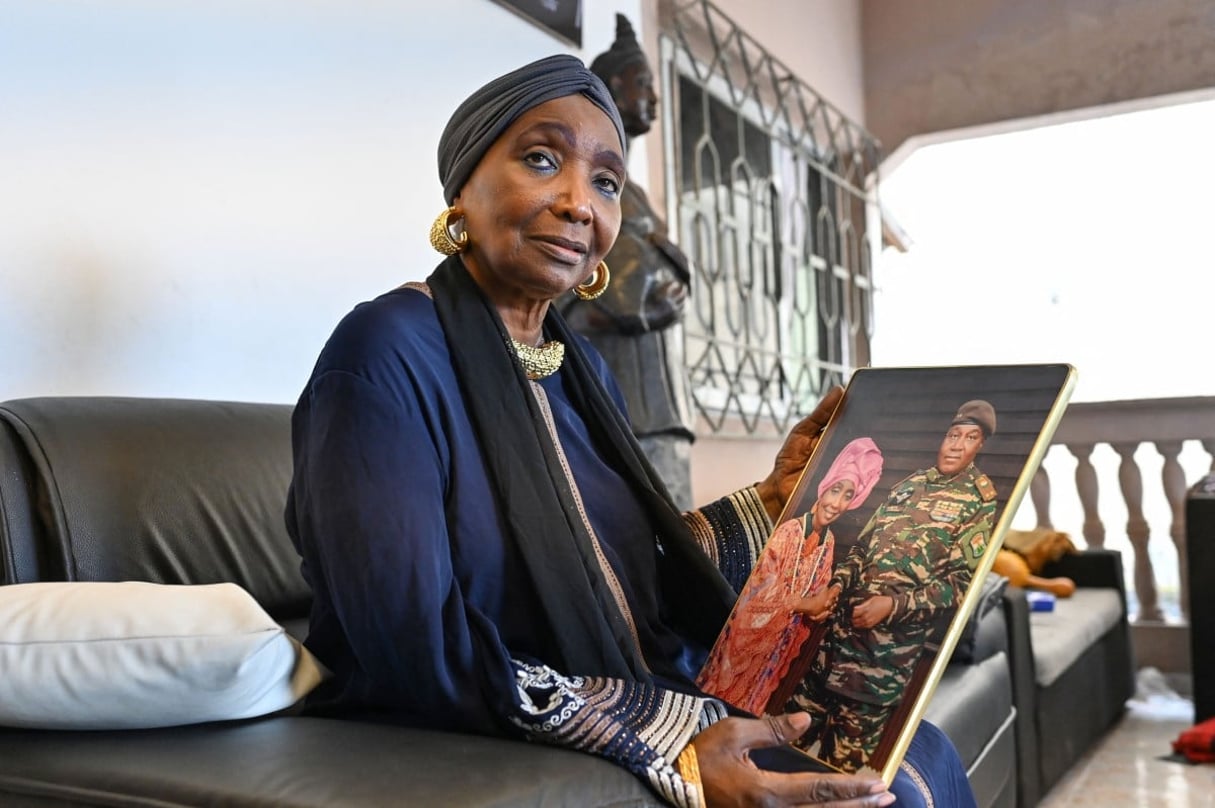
(819, 40)
(192, 193)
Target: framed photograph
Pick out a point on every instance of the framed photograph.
(856, 602)
(562, 18)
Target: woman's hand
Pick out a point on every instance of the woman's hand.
(774, 490)
(820, 605)
(731, 779)
(872, 611)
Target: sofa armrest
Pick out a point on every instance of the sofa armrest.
(1021, 668)
(1091, 568)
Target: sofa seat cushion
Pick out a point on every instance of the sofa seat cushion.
(971, 704)
(303, 762)
(1059, 637)
(96, 655)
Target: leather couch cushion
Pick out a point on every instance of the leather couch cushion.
(971, 704)
(1076, 624)
(303, 762)
(164, 490)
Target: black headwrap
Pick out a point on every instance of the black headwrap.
(588, 633)
(624, 52)
(490, 111)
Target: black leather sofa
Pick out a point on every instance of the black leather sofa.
(192, 492)
(1073, 669)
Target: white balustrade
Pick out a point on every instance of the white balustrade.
(1165, 424)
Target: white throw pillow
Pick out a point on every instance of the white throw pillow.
(132, 654)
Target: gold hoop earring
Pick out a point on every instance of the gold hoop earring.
(440, 234)
(599, 281)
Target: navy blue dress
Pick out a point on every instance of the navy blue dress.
(424, 612)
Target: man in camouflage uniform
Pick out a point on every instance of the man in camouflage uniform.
(896, 591)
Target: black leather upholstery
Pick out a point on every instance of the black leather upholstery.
(163, 490)
(178, 491)
(22, 539)
(1200, 556)
(985, 690)
(973, 705)
(982, 637)
(300, 761)
(1061, 721)
(1021, 668)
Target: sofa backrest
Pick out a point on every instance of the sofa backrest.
(164, 490)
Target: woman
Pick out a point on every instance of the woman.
(765, 633)
(488, 550)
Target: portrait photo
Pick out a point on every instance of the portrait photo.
(873, 567)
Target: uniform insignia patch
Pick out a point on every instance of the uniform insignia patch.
(978, 543)
(986, 489)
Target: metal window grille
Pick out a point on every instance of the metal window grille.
(773, 195)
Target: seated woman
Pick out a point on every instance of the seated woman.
(488, 549)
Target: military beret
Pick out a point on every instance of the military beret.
(977, 412)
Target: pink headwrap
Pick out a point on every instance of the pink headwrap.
(859, 461)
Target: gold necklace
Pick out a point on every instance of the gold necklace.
(541, 361)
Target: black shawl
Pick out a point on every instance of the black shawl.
(536, 501)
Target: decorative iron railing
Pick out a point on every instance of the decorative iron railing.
(772, 193)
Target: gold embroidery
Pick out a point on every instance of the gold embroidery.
(689, 770)
(609, 575)
(920, 783)
(418, 286)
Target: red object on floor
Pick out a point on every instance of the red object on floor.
(1197, 743)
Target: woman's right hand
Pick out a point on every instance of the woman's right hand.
(731, 779)
(819, 606)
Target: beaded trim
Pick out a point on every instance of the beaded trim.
(605, 566)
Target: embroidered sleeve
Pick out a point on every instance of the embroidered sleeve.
(637, 726)
(732, 532)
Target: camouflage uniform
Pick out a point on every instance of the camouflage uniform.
(920, 548)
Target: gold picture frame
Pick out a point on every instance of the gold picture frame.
(886, 540)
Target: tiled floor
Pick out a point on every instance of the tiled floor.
(1133, 765)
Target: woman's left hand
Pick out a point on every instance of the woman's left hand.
(732, 780)
(774, 490)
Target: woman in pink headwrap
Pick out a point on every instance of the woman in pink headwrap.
(769, 624)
